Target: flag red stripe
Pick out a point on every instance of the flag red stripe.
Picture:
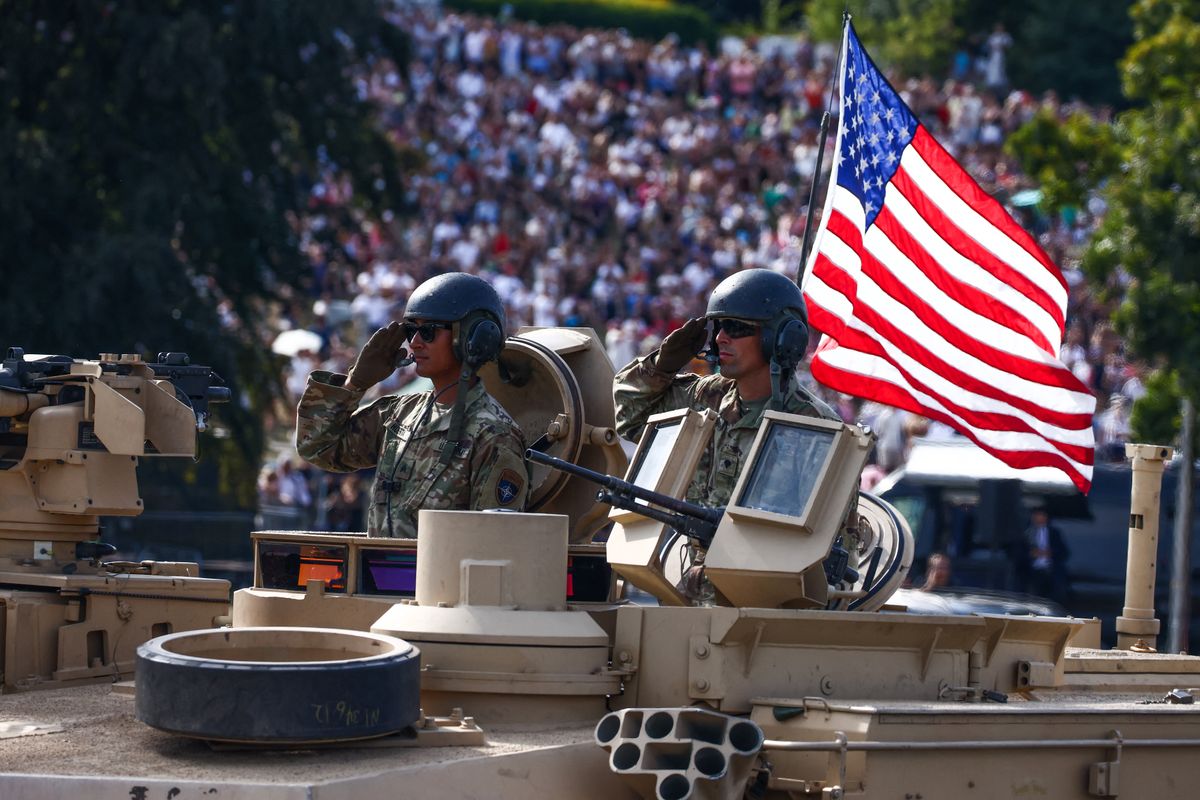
(853, 383)
(850, 378)
(987, 206)
(836, 279)
(886, 280)
(849, 337)
(970, 249)
(966, 295)
(976, 420)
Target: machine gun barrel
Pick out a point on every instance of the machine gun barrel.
(200, 385)
(696, 521)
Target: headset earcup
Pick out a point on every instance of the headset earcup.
(791, 342)
(482, 342)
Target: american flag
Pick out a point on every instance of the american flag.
(931, 297)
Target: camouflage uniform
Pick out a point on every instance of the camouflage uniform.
(642, 389)
(487, 471)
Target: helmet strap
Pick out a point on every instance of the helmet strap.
(780, 384)
(457, 416)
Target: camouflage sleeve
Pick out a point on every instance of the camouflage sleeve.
(331, 431)
(642, 389)
(500, 475)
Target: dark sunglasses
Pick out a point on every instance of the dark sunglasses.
(734, 328)
(427, 330)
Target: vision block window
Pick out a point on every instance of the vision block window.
(588, 578)
(652, 456)
(787, 468)
(386, 571)
(291, 565)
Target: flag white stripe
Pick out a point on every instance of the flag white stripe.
(1051, 397)
(977, 227)
(856, 363)
(967, 271)
(828, 298)
(945, 389)
(970, 322)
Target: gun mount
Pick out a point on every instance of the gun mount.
(692, 520)
(71, 434)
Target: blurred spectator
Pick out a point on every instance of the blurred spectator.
(344, 505)
(871, 475)
(937, 572)
(605, 181)
(1112, 429)
(293, 484)
(995, 74)
(268, 488)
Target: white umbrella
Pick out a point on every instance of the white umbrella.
(291, 342)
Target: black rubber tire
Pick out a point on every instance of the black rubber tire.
(278, 701)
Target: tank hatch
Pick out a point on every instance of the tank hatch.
(557, 384)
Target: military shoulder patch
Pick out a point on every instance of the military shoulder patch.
(508, 487)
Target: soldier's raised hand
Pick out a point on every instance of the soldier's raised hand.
(378, 357)
(682, 345)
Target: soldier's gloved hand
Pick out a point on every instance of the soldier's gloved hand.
(682, 345)
(377, 359)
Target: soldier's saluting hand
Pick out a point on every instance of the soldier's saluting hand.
(378, 358)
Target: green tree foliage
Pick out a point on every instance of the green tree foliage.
(1156, 417)
(647, 19)
(913, 36)
(1164, 61)
(1068, 158)
(729, 13)
(1071, 48)
(777, 15)
(1144, 254)
(152, 155)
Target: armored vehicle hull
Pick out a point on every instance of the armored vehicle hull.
(538, 677)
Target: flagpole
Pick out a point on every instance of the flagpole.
(1181, 562)
(812, 189)
(812, 196)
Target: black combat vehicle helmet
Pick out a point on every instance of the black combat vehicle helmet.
(766, 297)
(472, 304)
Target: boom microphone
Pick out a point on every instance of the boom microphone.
(712, 354)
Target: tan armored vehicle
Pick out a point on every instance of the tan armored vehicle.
(514, 655)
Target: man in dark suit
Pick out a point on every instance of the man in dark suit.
(1041, 558)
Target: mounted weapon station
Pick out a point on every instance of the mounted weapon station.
(513, 655)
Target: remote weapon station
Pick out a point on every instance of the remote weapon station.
(71, 434)
(552, 652)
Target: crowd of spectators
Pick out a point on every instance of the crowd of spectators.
(605, 181)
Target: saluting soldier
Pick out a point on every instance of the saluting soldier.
(758, 320)
(454, 447)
